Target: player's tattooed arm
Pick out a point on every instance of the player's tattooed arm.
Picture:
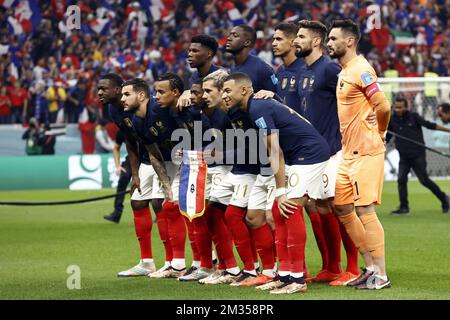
(132, 151)
(157, 162)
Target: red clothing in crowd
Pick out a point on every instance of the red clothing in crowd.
(18, 96)
(73, 58)
(58, 8)
(5, 103)
(380, 38)
(87, 132)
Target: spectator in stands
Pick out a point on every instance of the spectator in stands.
(19, 102)
(75, 101)
(39, 102)
(103, 142)
(56, 96)
(5, 107)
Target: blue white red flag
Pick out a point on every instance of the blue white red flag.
(26, 17)
(192, 184)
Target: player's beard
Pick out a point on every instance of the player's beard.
(336, 53)
(301, 53)
(133, 106)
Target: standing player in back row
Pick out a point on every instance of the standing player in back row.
(317, 95)
(360, 176)
(201, 53)
(289, 75)
(240, 43)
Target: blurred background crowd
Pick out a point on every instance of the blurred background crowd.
(47, 68)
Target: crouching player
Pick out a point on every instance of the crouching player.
(154, 126)
(291, 141)
(109, 92)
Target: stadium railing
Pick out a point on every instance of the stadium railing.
(424, 95)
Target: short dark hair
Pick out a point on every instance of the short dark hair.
(251, 33)
(401, 98)
(288, 28)
(316, 27)
(445, 107)
(238, 77)
(348, 27)
(113, 77)
(175, 81)
(139, 85)
(206, 41)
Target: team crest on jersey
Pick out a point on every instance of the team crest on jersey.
(190, 124)
(159, 124)
(292, 84)
(311, 82)
(284, 83)
(128, 122)
(154, 131)
(305, 82)
(341, 84)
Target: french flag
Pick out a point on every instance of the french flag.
(8, 3)
(192, 184)
(153, 8)
(102, 23)
(100, 26)
(236, 17)
(132, 29)
(26, 18)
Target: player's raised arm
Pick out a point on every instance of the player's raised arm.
(157, 162)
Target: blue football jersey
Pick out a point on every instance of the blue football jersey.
(299, 140)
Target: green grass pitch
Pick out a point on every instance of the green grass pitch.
(37, 244)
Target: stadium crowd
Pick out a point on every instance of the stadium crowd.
(46, 68)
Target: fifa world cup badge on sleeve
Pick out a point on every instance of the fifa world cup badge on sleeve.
(192, 184)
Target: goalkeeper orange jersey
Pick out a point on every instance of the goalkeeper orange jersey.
(356, 84)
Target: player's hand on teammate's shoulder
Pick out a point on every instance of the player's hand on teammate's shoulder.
(264, 94)
(184, 100)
